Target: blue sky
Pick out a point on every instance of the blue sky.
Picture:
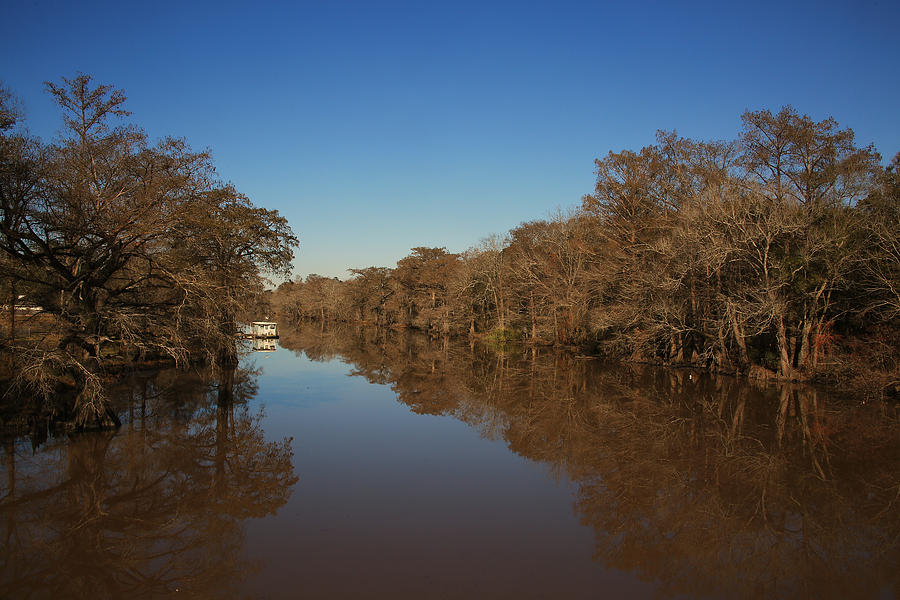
(379, 126)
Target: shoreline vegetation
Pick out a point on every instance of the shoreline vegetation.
(118, 250)
(775, 256)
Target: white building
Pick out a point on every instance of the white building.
(263, 329)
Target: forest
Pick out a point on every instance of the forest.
(775, 255)
(117, 250)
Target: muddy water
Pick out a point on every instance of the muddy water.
(355, 463)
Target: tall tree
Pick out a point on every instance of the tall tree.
(880, 262)
(125, 243)
(806, 178)
(423, 276)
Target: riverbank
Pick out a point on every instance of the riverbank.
(864, 369)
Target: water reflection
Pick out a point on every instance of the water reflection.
(707, 485)
(264, 345)
(150, 510)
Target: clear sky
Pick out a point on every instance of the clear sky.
(378, 126)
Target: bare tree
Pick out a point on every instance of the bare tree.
(128, 246)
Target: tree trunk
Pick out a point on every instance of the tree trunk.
(533, 317)
(803, 342)
(676, 352)
(786, 366)
(498, 300)
(739, 337)
(555, 328)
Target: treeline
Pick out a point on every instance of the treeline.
(129, 250)
(772, 254)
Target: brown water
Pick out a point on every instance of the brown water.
(354, 463)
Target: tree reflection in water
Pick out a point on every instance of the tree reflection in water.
(149, 510)
(709, 485)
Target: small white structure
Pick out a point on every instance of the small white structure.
(263, 329)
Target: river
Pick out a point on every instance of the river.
(353, 463)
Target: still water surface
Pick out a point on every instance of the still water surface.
(353, 463)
